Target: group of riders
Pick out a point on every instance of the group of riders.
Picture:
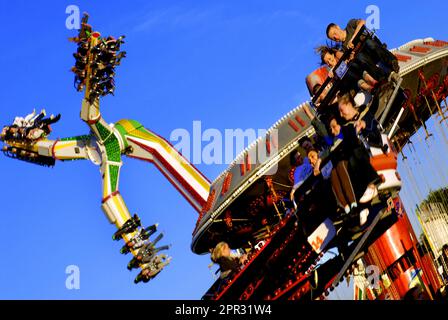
(102, 60)
(146, 254)
(30, 128)
(356, 70)
(359, 68)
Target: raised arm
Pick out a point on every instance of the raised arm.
(359, 25)
(318, 125)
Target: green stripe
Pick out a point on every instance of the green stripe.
(113, 174)
(77, 138)
(123, 133)
(102, 130)
(113, 149)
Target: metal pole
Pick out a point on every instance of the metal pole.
(391, 132)
(390, 101)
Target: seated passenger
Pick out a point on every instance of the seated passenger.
(155, 266)
(338, 173)
(314, 82)
(15, 132)
(356, 76)
(359, 159)
(321, 129)
(303, 167)
(32, 127)
(29, 120)
(374, 51)
(35, 134)
(316, 163)
(364, 121)
(35, 121)
(44, 124)
(19, 122)
(227, 262)
(323, 94)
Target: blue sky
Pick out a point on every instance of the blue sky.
(228, 64)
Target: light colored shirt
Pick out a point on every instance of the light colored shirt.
(301, 173)
(326, 170)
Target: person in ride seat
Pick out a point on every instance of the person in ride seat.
(227, 261)
(356, 77)
(360, 124)
(301, 165)
(364, 121)
(339, 154)
(373, 52)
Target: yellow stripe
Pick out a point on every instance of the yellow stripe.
(122, 210)
(64, 144)
(24, 146)
(120, 207)
(132, 131)
(127, 125)
(106, 182)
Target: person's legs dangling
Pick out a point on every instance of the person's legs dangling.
(337, 190)
(346, 183)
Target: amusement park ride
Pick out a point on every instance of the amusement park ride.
(247, 205)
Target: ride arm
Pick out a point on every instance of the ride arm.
(144, 144)
(45, 152)
(116, 211)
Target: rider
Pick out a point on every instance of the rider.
(360, 124)
(303, 168)
(340, 177)
(357, 76)
(375, 52)
(228, 262)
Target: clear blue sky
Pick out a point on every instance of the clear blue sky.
(229, 64)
